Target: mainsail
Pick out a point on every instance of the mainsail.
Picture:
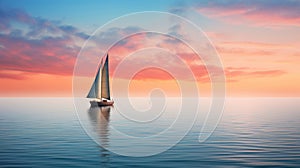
(105, 92)
(101, 82)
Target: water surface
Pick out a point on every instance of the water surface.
(45, 132)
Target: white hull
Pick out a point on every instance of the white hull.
(101, 103)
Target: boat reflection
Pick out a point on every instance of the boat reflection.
(99, 118)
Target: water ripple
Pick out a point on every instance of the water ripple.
(35, 134)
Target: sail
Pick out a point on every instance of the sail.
(105, 92)
(94, 91)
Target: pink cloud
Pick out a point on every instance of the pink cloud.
(47, 55)
(31, 50)
(235, 51)
(255, 12)
(242, 51)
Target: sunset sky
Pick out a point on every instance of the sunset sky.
(257, 41)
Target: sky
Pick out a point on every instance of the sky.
(257, 41)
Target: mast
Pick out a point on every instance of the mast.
(105, 92)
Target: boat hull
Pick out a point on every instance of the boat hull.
(101, 103)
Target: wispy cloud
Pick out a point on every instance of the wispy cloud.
(255, 12)
(235, 74)
(13, 74)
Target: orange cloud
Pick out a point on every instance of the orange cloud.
(238, 74)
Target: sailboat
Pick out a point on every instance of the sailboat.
(100, 91)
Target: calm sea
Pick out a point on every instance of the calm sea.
(46, 132)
